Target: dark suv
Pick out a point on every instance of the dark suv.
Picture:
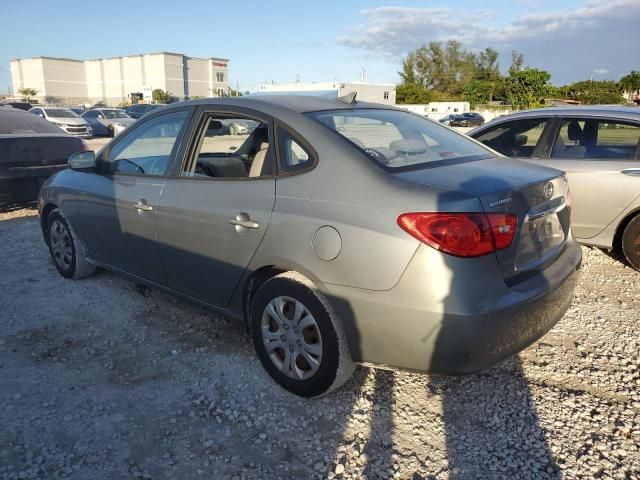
(136, 111)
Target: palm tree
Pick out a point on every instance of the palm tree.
(27, 92)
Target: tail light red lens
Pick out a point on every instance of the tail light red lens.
(84, 147)
(461, 234)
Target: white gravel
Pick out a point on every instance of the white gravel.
(101, 379)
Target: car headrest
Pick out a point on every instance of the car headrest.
(574, 131)
(408, 146)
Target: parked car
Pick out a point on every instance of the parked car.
(31, 149)
(446, 120)
(467, 119)
(107, 121)
(138, 110)
(599, 149)
(339, 232)
(65, 119)
(19, 105)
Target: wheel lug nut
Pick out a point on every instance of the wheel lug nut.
(291, 348)
(283, 338)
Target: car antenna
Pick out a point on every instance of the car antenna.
(348, 98)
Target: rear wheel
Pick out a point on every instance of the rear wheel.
(67, 255)
(298, 338)
(631, 242)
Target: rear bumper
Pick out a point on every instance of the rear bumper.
(23, 185)
(454, 316)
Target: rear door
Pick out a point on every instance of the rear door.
(600, 157)
(215, 208)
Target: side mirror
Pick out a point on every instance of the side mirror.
(83, 161)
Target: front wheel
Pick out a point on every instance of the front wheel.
(298, 338)
(110, 131)
(631, 242)
(67, 255)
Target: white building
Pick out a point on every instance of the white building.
(112, 80)
(437, 110)
(367, 92)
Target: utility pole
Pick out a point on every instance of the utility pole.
(362, 74)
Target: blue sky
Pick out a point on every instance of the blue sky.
(331, 40)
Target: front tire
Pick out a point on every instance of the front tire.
(110, 131)
(298, 338)
(66, 253)
(631, 242)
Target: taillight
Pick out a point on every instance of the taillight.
(461, 234)
(84, 147)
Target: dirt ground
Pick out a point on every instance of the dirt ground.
(104, 379)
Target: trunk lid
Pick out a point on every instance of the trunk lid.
(538, 196)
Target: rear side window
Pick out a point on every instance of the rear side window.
(293, 156)
(398, 139)
(515, 139)
(596, 139)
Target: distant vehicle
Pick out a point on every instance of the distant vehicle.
(19, 105)
(78, 110)
(467, 119)
(599, 149)
(31, 149)
(66, 119)
(137, 111)
(241, 127)
(338, 231)
(107, 121)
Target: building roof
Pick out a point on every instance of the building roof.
(118, 56)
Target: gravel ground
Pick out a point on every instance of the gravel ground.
(104, 379)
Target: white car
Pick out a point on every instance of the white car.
(65, 119)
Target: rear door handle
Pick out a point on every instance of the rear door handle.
(631, 171)
(243, 221)
(143, 206)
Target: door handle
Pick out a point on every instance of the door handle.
(243, 221)
(631, 171)
(143, 206)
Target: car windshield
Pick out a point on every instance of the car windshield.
(398, 139)
(114, 113)
(60, 113)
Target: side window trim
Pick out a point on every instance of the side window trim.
(191, 140)
(547, 138)
(295, 136)
(140, 124)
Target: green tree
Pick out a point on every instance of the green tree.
(517, 62)
(27, 92)
(411, 93)
(161, 96)
(234, 93)
(631, 82)
(478, 92)
(528, 87)
(592, 93)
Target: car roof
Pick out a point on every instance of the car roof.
(295, 103)
(617, 111)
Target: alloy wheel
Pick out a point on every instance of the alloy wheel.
(61, 245)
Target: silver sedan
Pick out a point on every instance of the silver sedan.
(337, 231)
(107, 121)
(599, 149)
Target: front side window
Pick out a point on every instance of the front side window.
(110, 114)
(397, 139)
(147, 149)
(596, 139)
(231, 147)
(515, 139)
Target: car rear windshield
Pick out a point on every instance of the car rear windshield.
(397, 139)
(60, 113)
(17, 122)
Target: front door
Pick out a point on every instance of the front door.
(117, 208)
(600, 157)
(214, 211)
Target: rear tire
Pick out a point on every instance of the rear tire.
(66, 253)
(298, 338)
(631, 242)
